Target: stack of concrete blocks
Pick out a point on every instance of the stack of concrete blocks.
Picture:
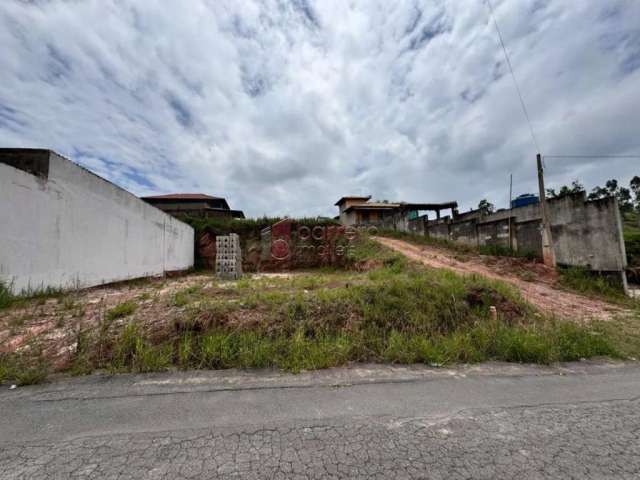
(228, 257)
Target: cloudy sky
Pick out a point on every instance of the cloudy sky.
(283, 106)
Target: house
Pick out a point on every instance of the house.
(358, 210)
(361, 211)
(193, 205)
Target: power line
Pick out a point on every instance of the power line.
(591, 156)
(513, 75)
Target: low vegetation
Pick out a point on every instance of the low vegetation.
(586, 282)
(490, 250)
(385, 309)
(122, 310)
(9, 299)
(430, 241)
(23, 369)
(632, 244)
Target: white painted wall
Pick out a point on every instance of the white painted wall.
(75, 229)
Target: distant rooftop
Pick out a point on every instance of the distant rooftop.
(183, 196)
(353, 197)
(373, 206)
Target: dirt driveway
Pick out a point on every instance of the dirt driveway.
(536, 282)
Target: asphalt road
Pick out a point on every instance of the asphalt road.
(493, 421)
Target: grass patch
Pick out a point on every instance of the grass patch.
(22, 370)
(624, 333)
(133, 352)
(122, 310)
(186, 296)
(8, 299)
(632, 244)
(590, 283)
(300, 351)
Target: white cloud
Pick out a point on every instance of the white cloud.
(284, 106)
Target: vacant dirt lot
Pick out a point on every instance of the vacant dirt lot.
(384, 309)
(57, 322)
(536, 282)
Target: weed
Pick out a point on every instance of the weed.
(243, 283)
(307, 282)
(180, 299)
(122, 310)
(186, 296)
(185, 350)
(134, 353)
(6, 296)
(586, 282)
(40, 295)
(82, 362)
(68, 303)
(21, 370)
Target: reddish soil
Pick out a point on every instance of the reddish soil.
(536, 282)
(54, 325)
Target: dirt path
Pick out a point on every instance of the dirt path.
(534, 280)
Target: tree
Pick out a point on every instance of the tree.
(613, 189)
(485, 206)
(624, 199)
(576, 187)
(635, 188)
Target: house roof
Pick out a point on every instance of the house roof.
(182, 196)
(402, 206)
(373, 206)
(344, 199)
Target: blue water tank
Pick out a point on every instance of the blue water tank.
(524, 200)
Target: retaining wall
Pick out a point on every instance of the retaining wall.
(585, 233)
(65, 227)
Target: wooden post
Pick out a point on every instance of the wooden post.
(547, 241)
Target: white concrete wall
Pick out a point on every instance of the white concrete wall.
(75, 229)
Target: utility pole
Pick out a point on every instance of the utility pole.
(510, 210)
(547, 242)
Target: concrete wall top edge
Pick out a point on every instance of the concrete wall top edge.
(59, 160)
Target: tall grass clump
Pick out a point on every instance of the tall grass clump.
(6, 296)
(583, 280)
(134, 352)
(22, 370)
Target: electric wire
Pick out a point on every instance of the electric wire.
(591, 156)
(513, 75)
